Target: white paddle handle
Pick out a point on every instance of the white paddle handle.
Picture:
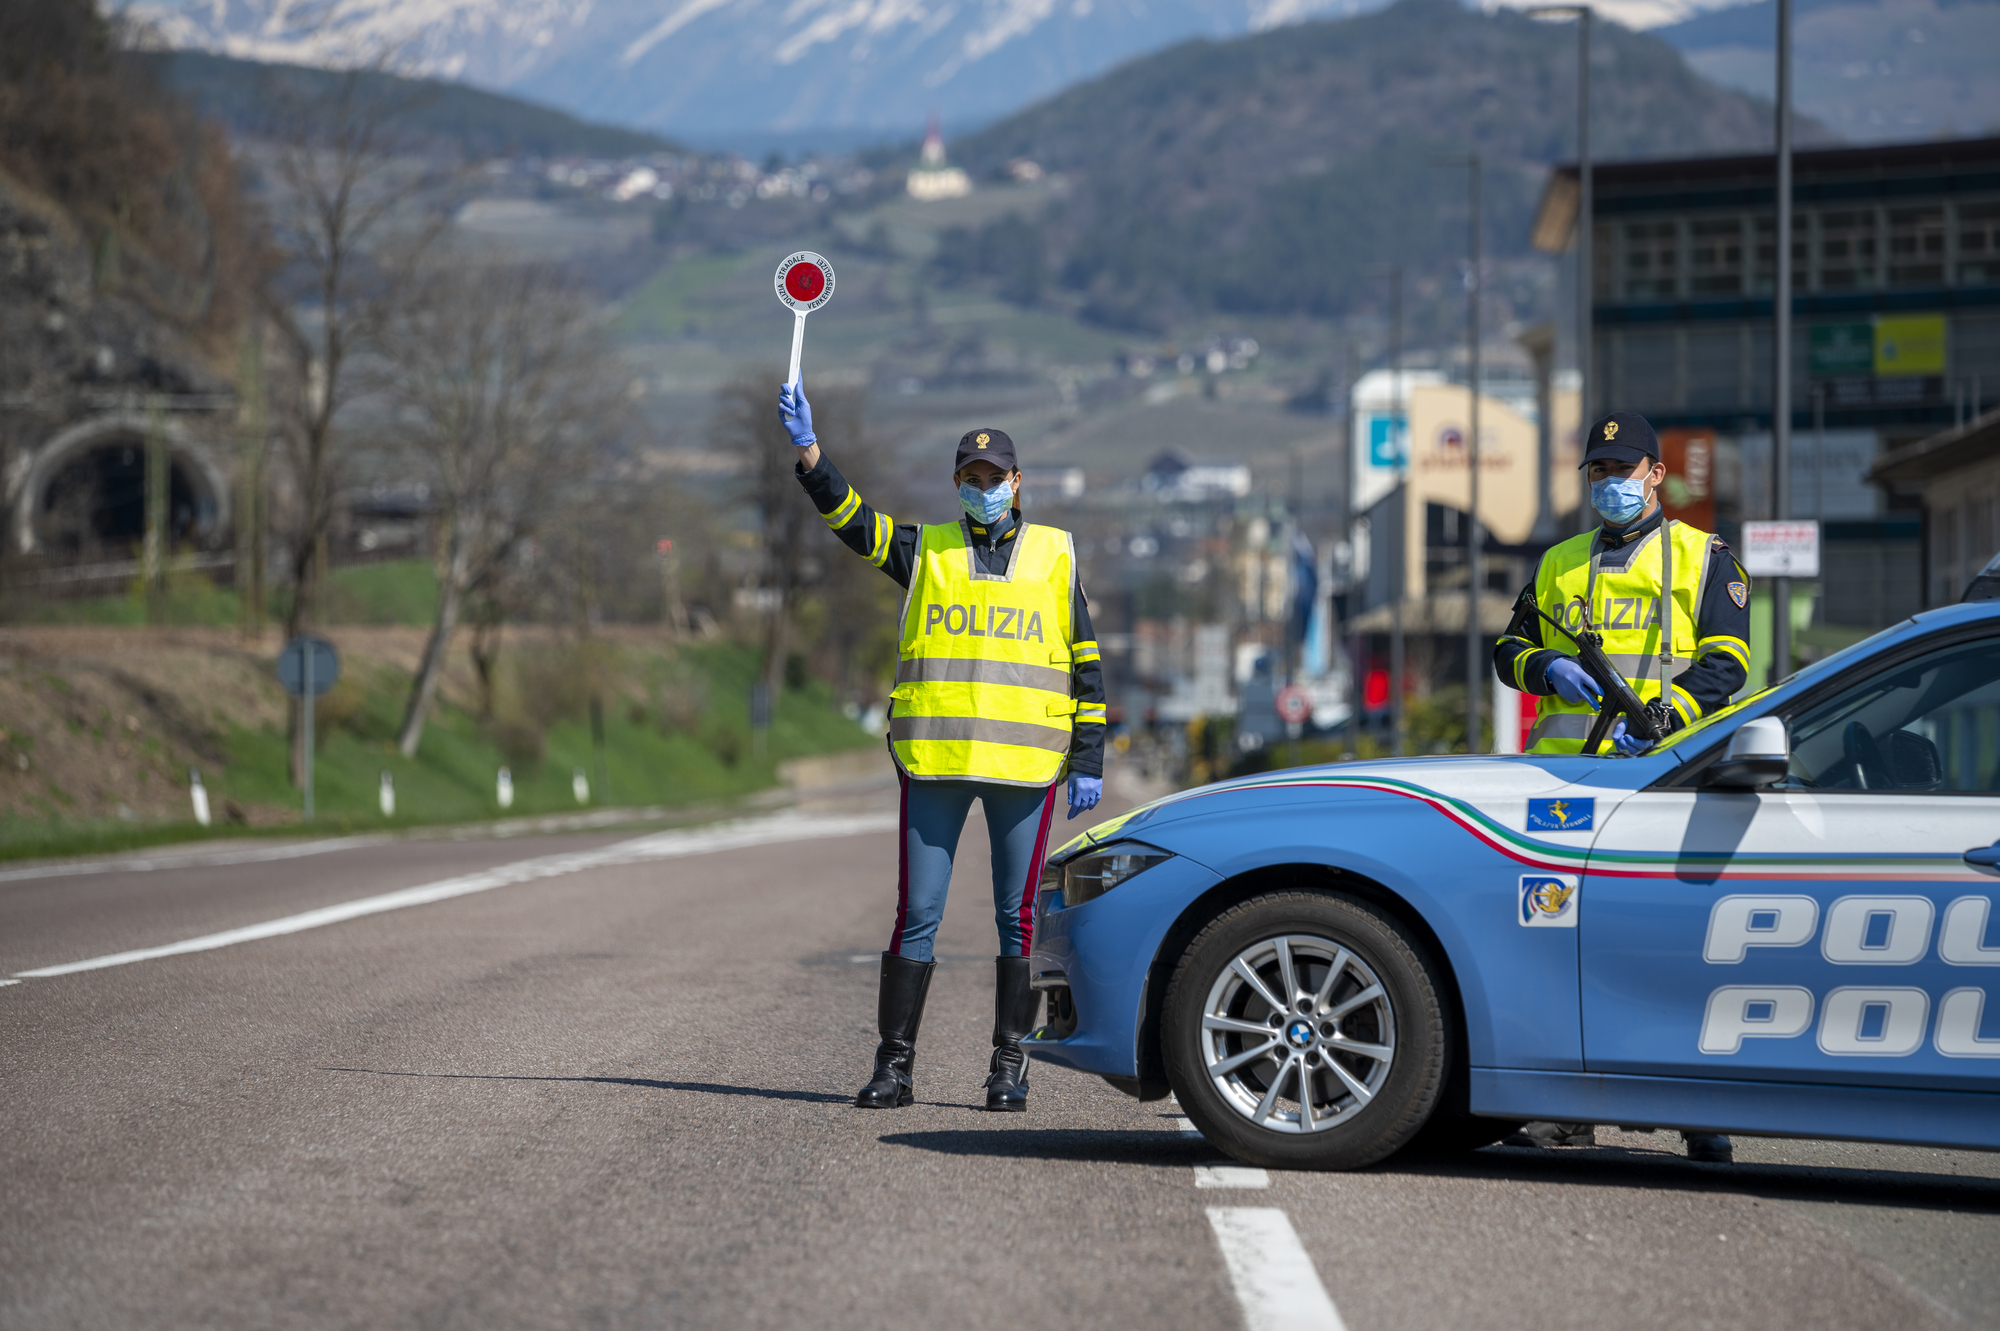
(798, 347)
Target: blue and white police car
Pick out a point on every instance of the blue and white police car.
(1780, 921)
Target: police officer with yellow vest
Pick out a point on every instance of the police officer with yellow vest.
(1614, 576)
(998, 694)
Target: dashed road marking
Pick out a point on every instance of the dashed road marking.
(1231, 1176)
(658, 846)
(1188, 1129)
(1274, 1278)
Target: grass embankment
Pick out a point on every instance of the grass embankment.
(99, 726)
(396, 591)
(676, 731)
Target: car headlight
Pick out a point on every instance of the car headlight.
(1096, 872)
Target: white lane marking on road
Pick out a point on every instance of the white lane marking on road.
(1274, 1278)
(1188, 1129)
(658, 846)
(195, 859)
(1231, 1176)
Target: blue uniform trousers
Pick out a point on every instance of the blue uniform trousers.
(933, 816)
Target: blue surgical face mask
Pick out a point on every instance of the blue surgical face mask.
(986, 505)
(1619, 498)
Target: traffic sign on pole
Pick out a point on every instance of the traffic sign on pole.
(1781, 549)
(1295, 706)
(804, 282)
(308, 667)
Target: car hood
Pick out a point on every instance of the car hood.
(1477, 780)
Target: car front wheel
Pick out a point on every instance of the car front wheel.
(1304, 1030)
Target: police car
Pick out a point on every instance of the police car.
(1780, 921)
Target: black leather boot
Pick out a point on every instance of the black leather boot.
(899, 1010)
(1014, 1007)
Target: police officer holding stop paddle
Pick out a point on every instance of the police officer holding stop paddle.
(1672, 607)
(998, 695)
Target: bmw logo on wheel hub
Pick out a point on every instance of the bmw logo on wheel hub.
(1299, 1034)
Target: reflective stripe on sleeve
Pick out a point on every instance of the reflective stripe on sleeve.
(974, 729)
(1735, 647)
(977, 670)
(1090, 713)
(884, 534)
(1685, 704)
(1084, 651)
(844, 509)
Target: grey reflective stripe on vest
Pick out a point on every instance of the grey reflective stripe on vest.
(973, 670)
(959, 729)
(1642, 667)
(1562, 725)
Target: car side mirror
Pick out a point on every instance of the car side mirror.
(1759, 753)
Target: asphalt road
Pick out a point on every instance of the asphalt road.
(612, 1089)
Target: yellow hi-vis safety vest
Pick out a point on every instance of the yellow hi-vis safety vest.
(1625, 608)
(983, 687)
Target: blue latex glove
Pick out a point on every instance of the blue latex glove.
(1629, 745)
(1084, 792)
(797, 415)
(1574, 685)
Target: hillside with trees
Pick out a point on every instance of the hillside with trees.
(1275, 173)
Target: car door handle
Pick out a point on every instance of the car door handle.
(1986, 857)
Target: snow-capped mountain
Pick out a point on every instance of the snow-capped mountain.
(712, 67)
(708, 68)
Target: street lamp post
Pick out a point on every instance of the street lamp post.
(1781, 349)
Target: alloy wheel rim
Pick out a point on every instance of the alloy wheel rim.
(1297, 1034)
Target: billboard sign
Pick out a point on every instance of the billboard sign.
(1909, 344)
(1840, 351)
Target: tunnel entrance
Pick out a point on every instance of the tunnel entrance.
(95, 506)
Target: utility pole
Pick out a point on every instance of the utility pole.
(250, 484)
(1350, 466)
(1398, 420)
(1475, 670)
(1475, 564)
(1781, 350)
(155, 549)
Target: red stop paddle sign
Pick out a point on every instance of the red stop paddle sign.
(1294, 705)
(804, 282)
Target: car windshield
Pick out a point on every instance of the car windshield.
(1823, 666)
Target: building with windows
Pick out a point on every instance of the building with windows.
(1896, 328)
(1955, 475)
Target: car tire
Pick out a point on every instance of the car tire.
(1370, 1044)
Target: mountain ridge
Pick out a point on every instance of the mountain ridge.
(238, 92)
(1271, 173)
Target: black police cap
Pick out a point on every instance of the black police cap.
(1623, 436)
(986, 446)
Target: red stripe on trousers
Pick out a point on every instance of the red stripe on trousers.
(1035, 871)
(902, 868)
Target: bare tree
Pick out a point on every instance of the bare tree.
(346, 195)
(498, 384)
(797, 558)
